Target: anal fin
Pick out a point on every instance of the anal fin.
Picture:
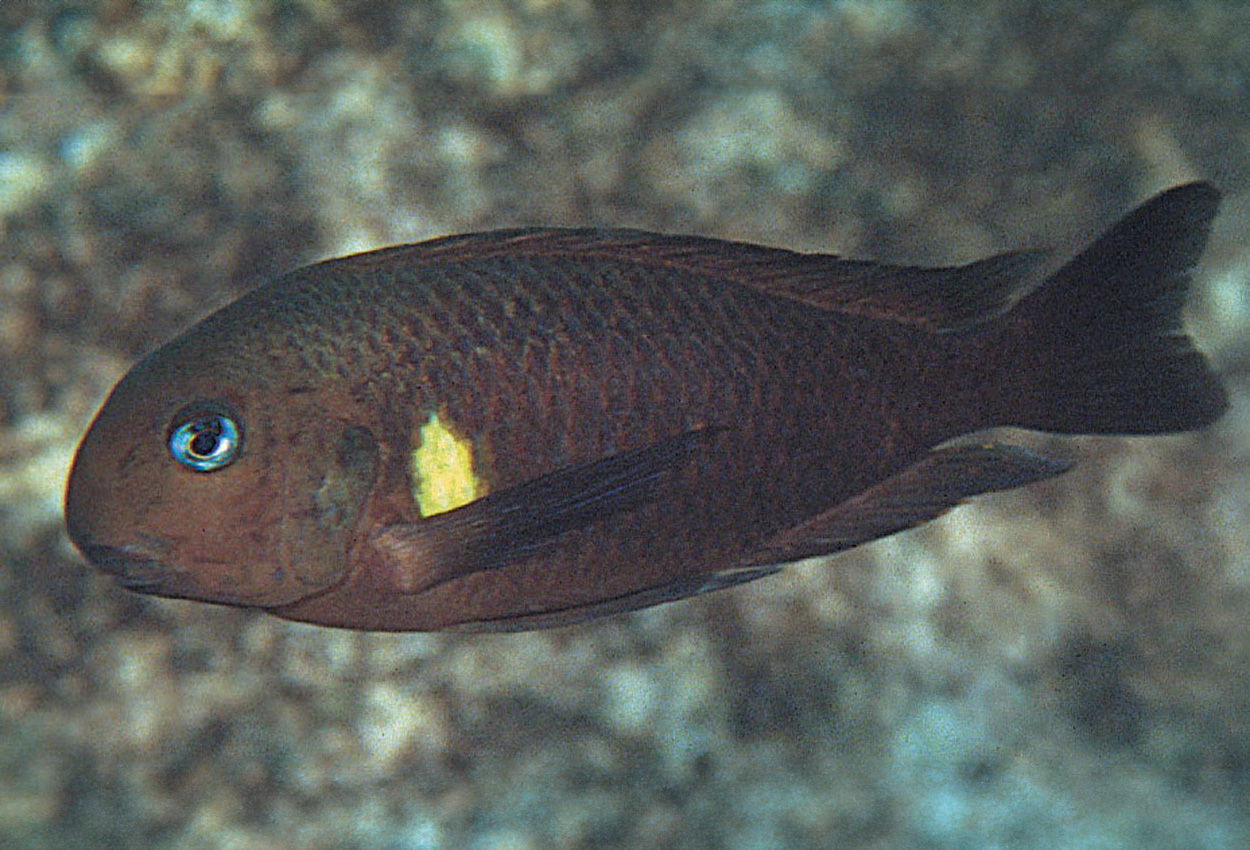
(923, 491)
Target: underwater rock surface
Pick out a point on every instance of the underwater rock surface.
(1068, 666)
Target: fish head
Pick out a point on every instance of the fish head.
(207, 479)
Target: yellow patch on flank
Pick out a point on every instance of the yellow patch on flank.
(442, 469)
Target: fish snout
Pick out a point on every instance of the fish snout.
(131, 566)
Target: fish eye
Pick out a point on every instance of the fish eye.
(204, 438)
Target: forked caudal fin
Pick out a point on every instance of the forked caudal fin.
(1099, 347)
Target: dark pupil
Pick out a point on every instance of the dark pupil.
(207, 433)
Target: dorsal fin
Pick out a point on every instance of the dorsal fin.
(939, 299)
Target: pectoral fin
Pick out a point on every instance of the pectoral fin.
(512, 525)
(923, 491)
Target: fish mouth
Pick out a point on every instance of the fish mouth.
(130, 566)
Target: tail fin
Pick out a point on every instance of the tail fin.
(1100, 343)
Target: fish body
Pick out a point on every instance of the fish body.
(527, 428)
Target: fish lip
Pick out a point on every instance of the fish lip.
(130, 566)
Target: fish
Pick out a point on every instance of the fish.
(527, 428)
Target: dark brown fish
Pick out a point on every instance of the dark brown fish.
(527, 428)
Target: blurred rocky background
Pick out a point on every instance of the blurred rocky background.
(1066, 666)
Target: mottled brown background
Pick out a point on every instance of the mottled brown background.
(1068, 666)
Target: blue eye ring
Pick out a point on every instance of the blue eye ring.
(204, 438)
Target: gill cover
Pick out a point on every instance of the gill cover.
(306, 525)
(315, 543)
